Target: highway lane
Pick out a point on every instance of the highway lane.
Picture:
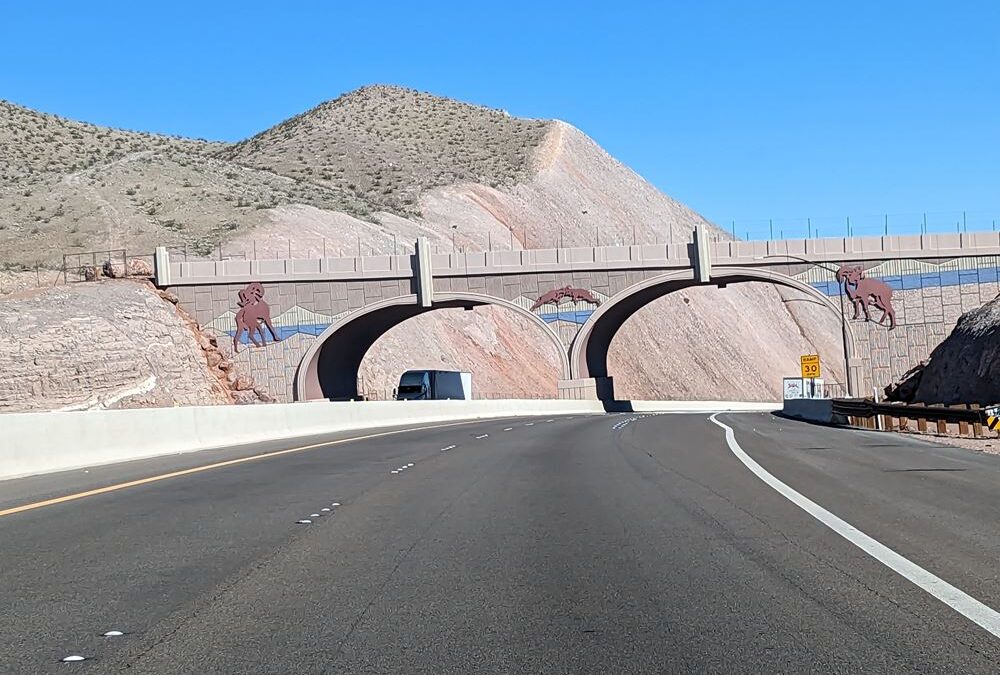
(598, 544)
(72, 571)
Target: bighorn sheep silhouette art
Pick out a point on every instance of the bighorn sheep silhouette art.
(253, 312)
(864, 291)
(575, 294)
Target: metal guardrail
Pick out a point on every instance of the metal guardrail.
(970, 417)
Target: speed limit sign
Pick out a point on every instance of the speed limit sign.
(810, 365)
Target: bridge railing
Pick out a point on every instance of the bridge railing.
(661, 256)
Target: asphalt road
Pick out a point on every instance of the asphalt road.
(603, 544)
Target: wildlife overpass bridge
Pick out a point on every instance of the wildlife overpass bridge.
(327, 313)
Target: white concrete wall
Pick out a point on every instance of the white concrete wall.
(54, 441)
(35, 443)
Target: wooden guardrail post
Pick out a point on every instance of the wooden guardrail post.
(942, 425)
(977, 424)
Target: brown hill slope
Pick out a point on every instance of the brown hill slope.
(378, 167)
(388, 145)
(33, 144)
(145, 199)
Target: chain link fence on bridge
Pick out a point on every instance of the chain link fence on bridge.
(747, 229)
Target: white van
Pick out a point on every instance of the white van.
(434, 385)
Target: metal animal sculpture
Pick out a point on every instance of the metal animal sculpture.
(253, 312)
(864, 291)
(575, 294)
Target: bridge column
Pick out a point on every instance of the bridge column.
(587, 389)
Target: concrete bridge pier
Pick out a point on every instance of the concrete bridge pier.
(587, 389)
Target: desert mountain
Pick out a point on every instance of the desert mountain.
(372, 170)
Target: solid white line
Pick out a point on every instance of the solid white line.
(961, 602)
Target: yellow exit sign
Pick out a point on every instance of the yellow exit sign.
(810, 365)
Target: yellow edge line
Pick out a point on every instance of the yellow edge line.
(216, 465)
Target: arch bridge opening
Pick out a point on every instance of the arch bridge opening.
(591, 347)
(331, 367)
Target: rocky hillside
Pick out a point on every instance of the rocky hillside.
(34, 146)
(965, 368)
(387, 146)
(100, 345)
(371, 171)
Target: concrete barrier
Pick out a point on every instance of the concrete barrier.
(55, 441)
(812, 410)
(33, 443)
(704, 406)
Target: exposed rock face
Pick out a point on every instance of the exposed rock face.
(965, 368)
(112, 344)
(905, 388)
(504, 352)
(706, 343)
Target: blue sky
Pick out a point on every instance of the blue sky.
(743, 110)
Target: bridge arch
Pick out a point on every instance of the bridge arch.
(329, 369)
(589, 352)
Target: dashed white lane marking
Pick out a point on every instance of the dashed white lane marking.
(409, 465)
(958, 600)
(623, 423)
(529, 424)
(217, 465)
(554, 420)
(479, 438)
(325, 509)
(338, 503)
(394, 471)
(509, 429)
(314, 515)
(73, 657)
(450, 447)
(113, 633)
(304, 521)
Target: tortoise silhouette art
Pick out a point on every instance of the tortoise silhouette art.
(252, 313)
(863, 291)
